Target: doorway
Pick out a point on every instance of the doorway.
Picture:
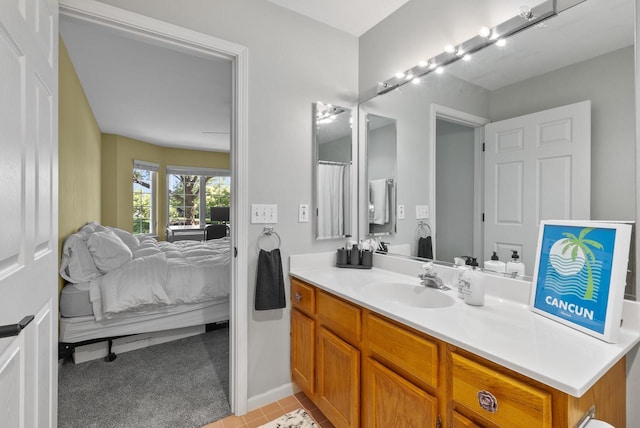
(456, 182)
(163, 34)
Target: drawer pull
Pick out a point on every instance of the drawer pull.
(298, 297)
(487, 401)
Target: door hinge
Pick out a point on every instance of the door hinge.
(483, 147)
(235, 251)
(483, 217)
(438, 422)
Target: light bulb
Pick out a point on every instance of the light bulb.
(467, 57)
(423, 64)
(399, 74)
(439, 70)
(494, 35)
(432, 65)
(449, 49)
(501, 42)
(460, 52)
(409, 76)
(416, 80)
(485, 32)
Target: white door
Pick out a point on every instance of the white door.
(537, 167)
(29, 222)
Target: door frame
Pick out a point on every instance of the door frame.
(166, 34)
(472, 121)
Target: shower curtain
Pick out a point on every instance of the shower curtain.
(333, 199)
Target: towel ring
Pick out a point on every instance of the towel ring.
(268, 232)
(423, 228)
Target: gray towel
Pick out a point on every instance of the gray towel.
(425, 249)
(270, 281)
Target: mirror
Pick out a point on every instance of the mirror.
(333, 171)
(584, 53)
(381, 174)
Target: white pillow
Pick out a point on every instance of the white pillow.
(128, 238)
(108, 251)
(76, 263)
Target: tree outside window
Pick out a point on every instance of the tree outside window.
(186, 198)
(143, 191)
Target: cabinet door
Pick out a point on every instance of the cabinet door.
(389, 400)
(303, 330)
(338, 382)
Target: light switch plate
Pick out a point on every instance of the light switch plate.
(303, 213)
(422, 212)
(264, 213)
(400, 212)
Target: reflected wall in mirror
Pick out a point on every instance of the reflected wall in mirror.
(585, 53)
(333, 171)
(381, 174)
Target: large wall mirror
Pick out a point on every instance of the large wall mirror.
(580, 62)
(334, 179)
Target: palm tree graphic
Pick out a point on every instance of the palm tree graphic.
(574, 243)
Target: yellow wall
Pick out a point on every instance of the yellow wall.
(79, 154)
(118, 154)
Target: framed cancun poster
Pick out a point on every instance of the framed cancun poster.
(580, 275)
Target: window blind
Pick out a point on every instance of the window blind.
(147, 166)
(187, 170)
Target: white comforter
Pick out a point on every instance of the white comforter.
(161, 274)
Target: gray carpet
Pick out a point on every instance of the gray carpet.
(184, 383)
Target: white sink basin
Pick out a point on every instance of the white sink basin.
(408, 295)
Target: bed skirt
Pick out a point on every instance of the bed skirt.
(79, 329)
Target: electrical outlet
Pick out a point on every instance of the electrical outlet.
(422, 211)
(264, 213)
(400, 212)
(303, 213)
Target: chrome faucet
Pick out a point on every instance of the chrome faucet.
(430, 278)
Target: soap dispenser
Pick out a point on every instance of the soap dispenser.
(461, 267)
(475, 292)
(515, 267)
(495, 265)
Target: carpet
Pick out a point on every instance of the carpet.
(296, 419)
(182, 384)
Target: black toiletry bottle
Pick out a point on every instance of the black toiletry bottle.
(342, 256)
(355, 255)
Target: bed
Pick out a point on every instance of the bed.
(118, 284)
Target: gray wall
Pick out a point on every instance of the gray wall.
(293, 62)
(336, 151)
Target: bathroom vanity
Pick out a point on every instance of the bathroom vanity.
(375, 349)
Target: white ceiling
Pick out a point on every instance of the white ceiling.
(172, 98)
(355, 17)
(150, 93)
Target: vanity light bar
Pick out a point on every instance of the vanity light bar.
(508, 28)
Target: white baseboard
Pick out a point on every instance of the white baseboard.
(98, 350)
(272, 395)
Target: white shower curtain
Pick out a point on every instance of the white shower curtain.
(333, 179)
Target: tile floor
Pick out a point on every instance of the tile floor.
(265, 414)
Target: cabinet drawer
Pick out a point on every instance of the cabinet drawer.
(303, 296)
(343, 318)
(407, 351)
(497, 397)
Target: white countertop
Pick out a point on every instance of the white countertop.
(504, 330)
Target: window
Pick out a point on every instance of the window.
(144, 199)
(191, 192)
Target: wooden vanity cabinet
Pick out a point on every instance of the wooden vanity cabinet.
(303, 336)
(363, 369)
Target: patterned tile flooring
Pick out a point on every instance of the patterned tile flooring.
(265, 414)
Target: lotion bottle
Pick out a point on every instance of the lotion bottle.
(515, 267)
(475, 293)
(462, 282)
(495, 265)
